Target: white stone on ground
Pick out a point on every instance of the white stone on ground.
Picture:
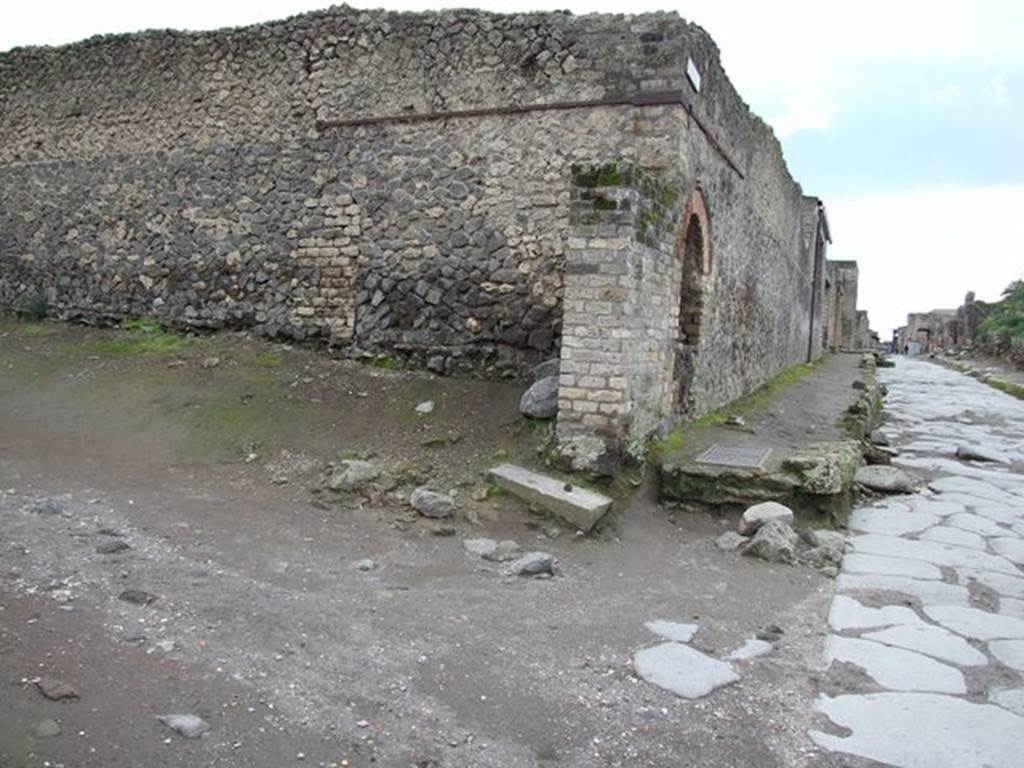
(751, 649)
(891, 566)
(847, 613)
(975, 623)
(931, 640)
(955, 537)
(1010, 652)
(890, 522)
(976, 524)
(923, 730)
(672, 630)
(759, 514)
(682, 670)
(925, 591)
(895, 668)
(1010, 548)
(1008, 698)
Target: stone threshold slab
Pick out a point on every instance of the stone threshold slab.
(579, 506)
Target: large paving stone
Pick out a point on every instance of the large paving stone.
(932, 552)
(579, 506)
(1011, 548)
(955, 537)
(978, 524)
(925, 591)
(922, 730)
(931, 640)
(1011, 699)
(890, 566)
(1001, 583)
(975, 623)
(848, 613)
(682, 670)
(975, 489)
(895, 668)
(1010, 652)
(891, 522)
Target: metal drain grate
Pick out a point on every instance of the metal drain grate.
(744, 456)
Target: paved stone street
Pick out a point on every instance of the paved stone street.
(927, 651)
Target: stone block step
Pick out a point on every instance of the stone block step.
(579, 506)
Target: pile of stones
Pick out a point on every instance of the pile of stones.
(766, 531)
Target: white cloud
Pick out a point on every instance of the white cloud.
(942, 97)
(998, 90)
(803, 116)
(924, 249)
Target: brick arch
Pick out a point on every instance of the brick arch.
(695, 262)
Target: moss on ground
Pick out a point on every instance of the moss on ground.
(760, 397)
(1016, 390)
(138, 337)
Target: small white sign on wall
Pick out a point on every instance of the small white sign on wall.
(693, 74)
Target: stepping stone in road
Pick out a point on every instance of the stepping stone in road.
(751, 649)
(895, 668)
(671, 630)
(682, 670)
(579, 506)
(922, 730)
(931, 640)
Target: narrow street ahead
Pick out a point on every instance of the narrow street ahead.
(927, 651)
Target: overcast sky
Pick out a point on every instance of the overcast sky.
(906, 117)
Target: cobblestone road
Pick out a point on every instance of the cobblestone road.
(926, 655)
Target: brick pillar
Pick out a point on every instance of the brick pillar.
(615, 361)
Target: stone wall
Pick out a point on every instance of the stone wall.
(841, 305)
(403, 185)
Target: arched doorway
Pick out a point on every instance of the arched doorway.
(693, 255)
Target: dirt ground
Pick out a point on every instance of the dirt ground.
(212, 474)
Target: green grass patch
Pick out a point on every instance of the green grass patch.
(138, 337)
(386, 362)
(269, 359)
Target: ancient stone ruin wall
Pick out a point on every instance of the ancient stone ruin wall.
(402, 184)
(199, 177)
